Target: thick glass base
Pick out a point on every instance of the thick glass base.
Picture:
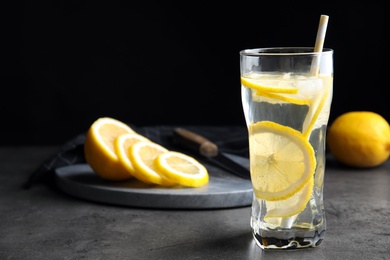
(288, 239)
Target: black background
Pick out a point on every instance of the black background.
(148, 63)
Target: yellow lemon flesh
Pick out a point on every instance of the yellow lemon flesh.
(99, 148)
(182, 169)
(360, 139)
(283, 161)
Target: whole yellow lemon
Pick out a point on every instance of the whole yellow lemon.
(359, 139)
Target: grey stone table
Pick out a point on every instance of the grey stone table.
(45, 223)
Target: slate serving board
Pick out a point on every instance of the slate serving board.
(224, 190)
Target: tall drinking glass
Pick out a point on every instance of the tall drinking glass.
(286, 99)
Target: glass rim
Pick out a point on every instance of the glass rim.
(283, 51)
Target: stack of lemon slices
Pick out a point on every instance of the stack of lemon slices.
(116, 152)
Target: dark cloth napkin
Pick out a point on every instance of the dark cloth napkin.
(229, 139)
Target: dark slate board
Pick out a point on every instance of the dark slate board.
(224, 190)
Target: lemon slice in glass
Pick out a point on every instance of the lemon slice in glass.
(291, 206)
(287, 98)
(268, 85)
(317, 115)
(142, 155)
(283, 160)
(182, 169)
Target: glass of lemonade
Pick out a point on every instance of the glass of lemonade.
(286, 98)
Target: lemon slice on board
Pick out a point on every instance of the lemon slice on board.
(291, 206)
(142, 155)
(99, 148)
(284, 160)
(121, 146)
(182, 169)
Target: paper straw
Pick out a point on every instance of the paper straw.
(319, 44)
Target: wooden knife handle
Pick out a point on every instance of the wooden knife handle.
(195, 142)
